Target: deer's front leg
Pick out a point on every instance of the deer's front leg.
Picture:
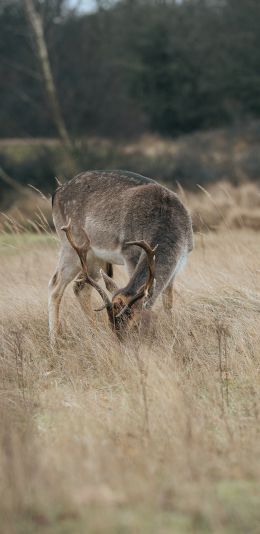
(57, 285)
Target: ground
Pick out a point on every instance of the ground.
(108, 438)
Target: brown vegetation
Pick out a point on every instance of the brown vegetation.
(29, 211)
(204, 158)
(223, 206)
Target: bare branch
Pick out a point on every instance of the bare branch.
(42, 52)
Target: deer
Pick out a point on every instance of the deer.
(106, 218)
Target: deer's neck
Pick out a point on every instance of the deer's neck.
(138, 278)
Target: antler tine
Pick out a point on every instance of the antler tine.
(144, 290)
(150, 252)
(82, 251)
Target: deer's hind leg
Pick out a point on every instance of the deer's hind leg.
(168, 291)
(68, 267)
(167, 298)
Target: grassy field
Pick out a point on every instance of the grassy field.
(98, 437)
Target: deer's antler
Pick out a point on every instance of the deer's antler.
(82, 251)
(146, 289)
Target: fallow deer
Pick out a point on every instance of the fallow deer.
(122, 218)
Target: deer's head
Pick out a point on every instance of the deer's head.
(124, 309)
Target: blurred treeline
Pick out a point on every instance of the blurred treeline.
(138, 65)
(165, 67)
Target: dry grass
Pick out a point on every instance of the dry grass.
(223, 206)
(97, 437)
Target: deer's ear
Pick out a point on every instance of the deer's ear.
(109, 282)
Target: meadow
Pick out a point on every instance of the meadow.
(157, 437)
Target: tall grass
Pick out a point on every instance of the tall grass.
(157, 437)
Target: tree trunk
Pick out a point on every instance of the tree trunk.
(42, 52)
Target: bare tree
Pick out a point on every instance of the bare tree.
(42, 52)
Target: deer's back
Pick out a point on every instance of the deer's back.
(118, 206)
